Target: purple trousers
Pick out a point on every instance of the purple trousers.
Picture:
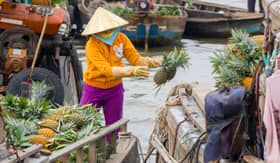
(110, 99)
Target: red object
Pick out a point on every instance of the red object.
(28, 81)
(148, 4)
(15, 14)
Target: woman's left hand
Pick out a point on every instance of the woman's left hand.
(150, 62)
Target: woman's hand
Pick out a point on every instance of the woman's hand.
(119, 72)
(150, 62)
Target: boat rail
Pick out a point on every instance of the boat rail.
(95, 142)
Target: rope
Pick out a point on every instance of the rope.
(38, 47)
(176, 134)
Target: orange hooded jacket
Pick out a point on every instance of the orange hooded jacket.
(101, 58)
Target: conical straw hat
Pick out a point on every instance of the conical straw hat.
(103, 20)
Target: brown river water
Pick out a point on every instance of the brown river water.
(141, 103)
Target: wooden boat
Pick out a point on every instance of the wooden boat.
(155, 29)
(209, 19)
(182, 123)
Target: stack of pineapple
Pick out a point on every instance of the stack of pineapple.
(237, 63)
(53, 127)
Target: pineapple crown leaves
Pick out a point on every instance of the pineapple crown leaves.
(238, 35)
(219, 59)
(67, 126)
(32, 109)
(176, 59)
(20, 131)
(88, 130)
(40, 90)
(227, 76)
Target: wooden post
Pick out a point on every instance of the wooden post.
(113, 141)
(102, 148)
(79, 156)
(92, 155)
(66, 158)
(123, 128)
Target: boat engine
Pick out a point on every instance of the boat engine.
(142, 6)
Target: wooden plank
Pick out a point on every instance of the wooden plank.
(125, 150)
(199, 92)
(92, 155)
(194, 112)
(161, 149)
(252, 159)
(79, 156)
(41, 159)
(23, 154)
(103, 132)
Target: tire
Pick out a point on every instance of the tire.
(39, 74)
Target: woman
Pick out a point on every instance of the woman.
(104, 52)
(251, 5)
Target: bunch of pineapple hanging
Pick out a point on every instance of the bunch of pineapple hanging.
(175, 59)
(236, 64)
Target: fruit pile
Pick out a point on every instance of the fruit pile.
(53, 127)
(169, 11)
(121, 11)
(236, 64)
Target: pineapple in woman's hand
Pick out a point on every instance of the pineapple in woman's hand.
(169, 66)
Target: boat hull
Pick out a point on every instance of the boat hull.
(155, 30)
(223, 28)
(214, 20)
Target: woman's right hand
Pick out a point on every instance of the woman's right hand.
(141, 71)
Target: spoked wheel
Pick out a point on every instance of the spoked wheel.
(18, 38)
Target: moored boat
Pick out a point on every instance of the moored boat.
(209, 19)
(156, 29)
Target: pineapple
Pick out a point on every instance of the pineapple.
(237, 62)
(40, 91)
(46, 132)
(49, 124)
(247, 82)
(160, 76)
(45, 151)
(170, 63)
(38, 139)
(67, 126)
(75, 118)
